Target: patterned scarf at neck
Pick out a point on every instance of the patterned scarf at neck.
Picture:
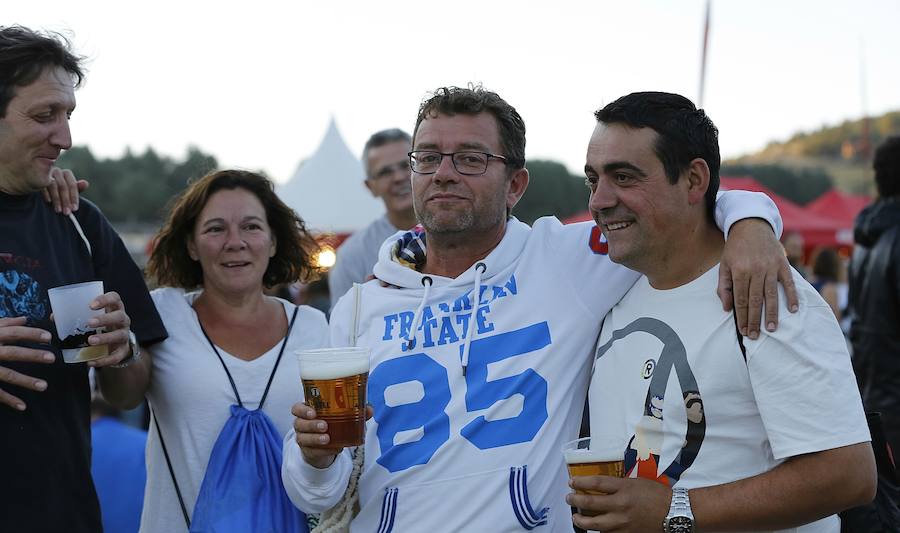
(409, 250)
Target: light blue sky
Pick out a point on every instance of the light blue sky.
(255, 83)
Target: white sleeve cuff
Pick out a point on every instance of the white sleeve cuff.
(735, 205)
(312, 489)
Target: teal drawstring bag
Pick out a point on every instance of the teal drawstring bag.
(242, 490)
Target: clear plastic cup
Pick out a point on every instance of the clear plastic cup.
(595, 456)
(71, 313)
(334, 384)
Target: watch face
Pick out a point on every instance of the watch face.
(680, 524)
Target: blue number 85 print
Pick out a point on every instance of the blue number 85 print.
(428, 414)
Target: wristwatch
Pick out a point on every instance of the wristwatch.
(135, 352)
(680, 518)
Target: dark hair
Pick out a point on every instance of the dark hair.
(684, 133)
(473, 100)
(24, 54)
(887, 168)
(382, 138)
(827, 265)
(170, 263)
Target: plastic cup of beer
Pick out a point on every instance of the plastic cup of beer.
(334, 384)
(595, 456)
(71, 306)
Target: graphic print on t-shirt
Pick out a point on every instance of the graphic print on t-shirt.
(21, 295)
(645, 446)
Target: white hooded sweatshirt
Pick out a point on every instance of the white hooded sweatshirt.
(479, 450)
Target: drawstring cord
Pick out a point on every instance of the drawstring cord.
(480, 268)
(411, 336)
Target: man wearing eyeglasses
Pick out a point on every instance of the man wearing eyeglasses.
(387, 177)
(481, 336)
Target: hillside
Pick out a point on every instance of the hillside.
(838, 151)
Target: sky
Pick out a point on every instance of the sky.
(256, 83)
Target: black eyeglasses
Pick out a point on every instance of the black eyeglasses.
(466, 163)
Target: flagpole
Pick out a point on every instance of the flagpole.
(865, 142)
(703, 54)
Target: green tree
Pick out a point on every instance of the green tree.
(828, 141)
(552, 190)
(135, 188)
(800, 185)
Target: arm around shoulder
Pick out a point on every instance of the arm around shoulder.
(126, 386)
(733, 206)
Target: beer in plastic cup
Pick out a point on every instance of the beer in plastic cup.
(334, 384)
(71, 306)
(595, 456)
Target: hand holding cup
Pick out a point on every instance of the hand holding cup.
(92, 326)
(594, 456)
(334, 414)
(312, 436)
(76, 320)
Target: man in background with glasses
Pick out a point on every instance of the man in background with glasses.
(387, 177)
(481, 335)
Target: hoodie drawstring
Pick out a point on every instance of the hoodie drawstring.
(411, 336)
(480, 268)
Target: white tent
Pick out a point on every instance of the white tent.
(327, 190)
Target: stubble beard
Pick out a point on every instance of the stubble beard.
(454, 224)
(436, 224)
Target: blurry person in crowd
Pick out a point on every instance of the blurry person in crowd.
(826, 275)
(793, 248)
(708, 420)
(875, 294)
(117, 467)
(227, 238)
(45, 448)
(285, 291)
(843, 293)
(315, 294)
(387, 177)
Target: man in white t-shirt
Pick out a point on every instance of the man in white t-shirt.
(767, 433)
(481, 345)
(387, 177)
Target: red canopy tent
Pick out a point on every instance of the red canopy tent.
(816, 229)
(840, 206)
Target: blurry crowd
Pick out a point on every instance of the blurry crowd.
(826, 269)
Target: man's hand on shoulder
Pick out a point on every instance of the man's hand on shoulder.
(753, 263)
(12, 332)
(64, 190)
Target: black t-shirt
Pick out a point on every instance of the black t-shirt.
(45, 451)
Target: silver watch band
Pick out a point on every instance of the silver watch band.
(135, 352)
(680, 499)
(680, 518)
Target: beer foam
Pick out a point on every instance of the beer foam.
(332, 363)
(591, 456)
